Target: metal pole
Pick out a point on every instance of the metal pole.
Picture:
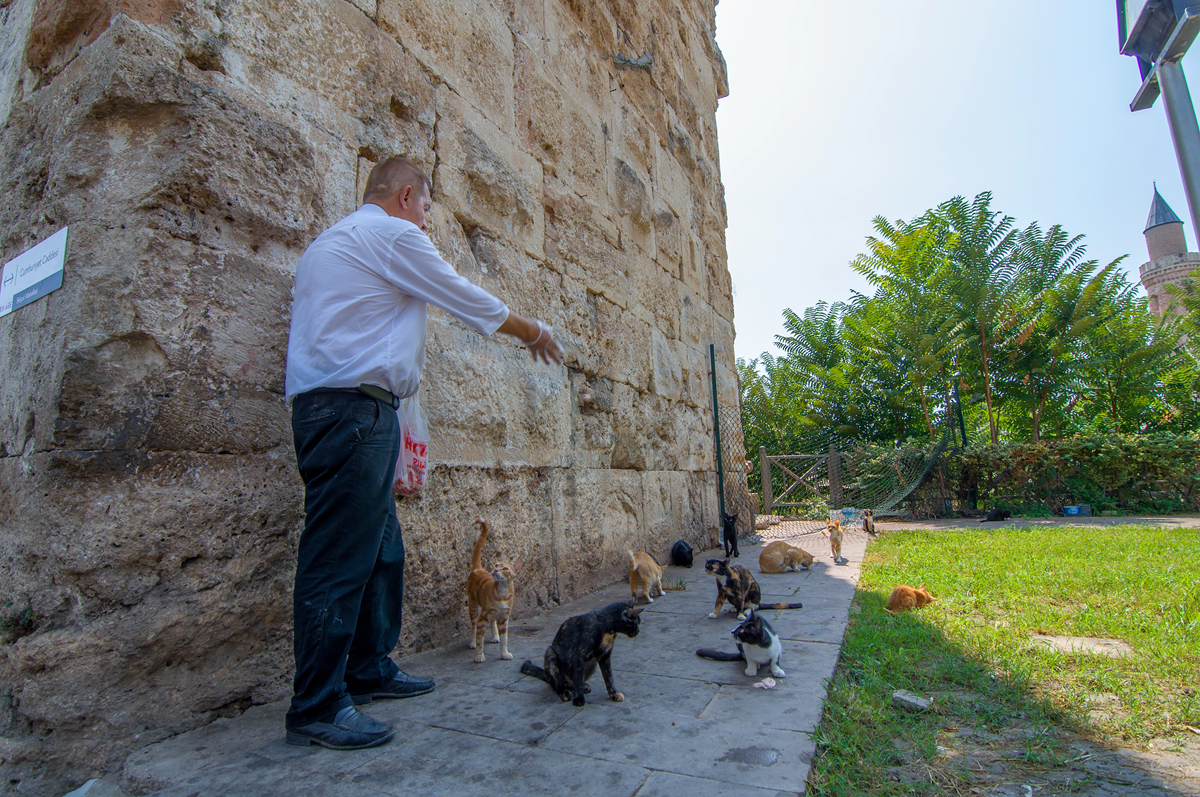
(764, 465)
(1181, 118)
(712, 359)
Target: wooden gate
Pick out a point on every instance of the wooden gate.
(820, 475)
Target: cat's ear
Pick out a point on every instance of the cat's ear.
(632, 613)
(517, 567)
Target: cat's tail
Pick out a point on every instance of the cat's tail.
(718, 655)
(781, 605)
(529, 668)
(632, 561)
(477, 552)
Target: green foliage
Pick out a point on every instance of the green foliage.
(16, 623)
(1039, 340)
(1133, 473)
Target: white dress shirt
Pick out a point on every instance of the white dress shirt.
(358, 314)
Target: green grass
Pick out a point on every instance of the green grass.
(996, 587)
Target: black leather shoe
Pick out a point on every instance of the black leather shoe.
(403, 685)
(347, 730)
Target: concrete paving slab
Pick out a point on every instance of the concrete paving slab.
(666, 784)
(446, 762)
(773, 708)
(685, 723)
(732, 747)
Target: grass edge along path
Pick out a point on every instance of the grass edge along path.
(971, 651)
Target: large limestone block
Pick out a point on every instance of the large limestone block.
(561, 127)
(489, 405)
(598, 515)
(483, 179)
(168, 563)
(587, 246)
(657, 298)
(439, 534)
(337, 76)
(666, 371)
(469, 46)
(15, 21)
(621, 343)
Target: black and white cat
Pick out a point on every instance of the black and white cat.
(758, 645)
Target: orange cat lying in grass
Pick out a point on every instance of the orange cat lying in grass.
(905, 597)
(490, 598)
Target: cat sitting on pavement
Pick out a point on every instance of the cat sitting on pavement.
(757, 643)
(581, 644)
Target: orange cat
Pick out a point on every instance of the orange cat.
(905, 597)
(833, 530)
(779, 556)
(490, 598)
(645, 572)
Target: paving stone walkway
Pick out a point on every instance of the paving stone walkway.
(687, 725)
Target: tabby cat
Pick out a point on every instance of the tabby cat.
(490, 597)
(739, 588)
(758, 645)
(582, 642)
(779, 556)
(905, 597)
(833, 530)
(644, 572)
(869, 522)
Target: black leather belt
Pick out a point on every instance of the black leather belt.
(375, 392)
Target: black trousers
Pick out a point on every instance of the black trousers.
(350, 562)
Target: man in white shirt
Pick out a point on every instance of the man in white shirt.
(355, 349)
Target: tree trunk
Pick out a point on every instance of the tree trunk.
(987, 390)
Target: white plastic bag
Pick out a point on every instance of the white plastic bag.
(413, 461)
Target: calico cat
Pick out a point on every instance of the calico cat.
(681, 554)
(995, 515)
(739, 588)
(779, 556)
(833, 530)
(905, 597)
(869, 522)
(644, 572)
(758, 645)
(729, 534)
(581, 643)
(490, 597)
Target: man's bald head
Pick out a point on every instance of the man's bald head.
(390, 177)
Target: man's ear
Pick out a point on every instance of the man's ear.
(405, 197)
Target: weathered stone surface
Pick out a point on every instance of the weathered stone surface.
(909, 701)
(149, 500)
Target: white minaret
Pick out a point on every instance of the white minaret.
(1170, 261)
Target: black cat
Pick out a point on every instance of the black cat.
(581, 643)
(994, 515)
(681, 554)
(729, 534)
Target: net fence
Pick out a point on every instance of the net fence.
(806, 490)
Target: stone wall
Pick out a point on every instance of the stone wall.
(149, 504)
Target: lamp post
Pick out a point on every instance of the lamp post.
(1158, 33)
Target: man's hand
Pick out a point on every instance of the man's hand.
(537, 336)
(545, 346)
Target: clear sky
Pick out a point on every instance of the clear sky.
(841, 111)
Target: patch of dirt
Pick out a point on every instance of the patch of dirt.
(1026, 761)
